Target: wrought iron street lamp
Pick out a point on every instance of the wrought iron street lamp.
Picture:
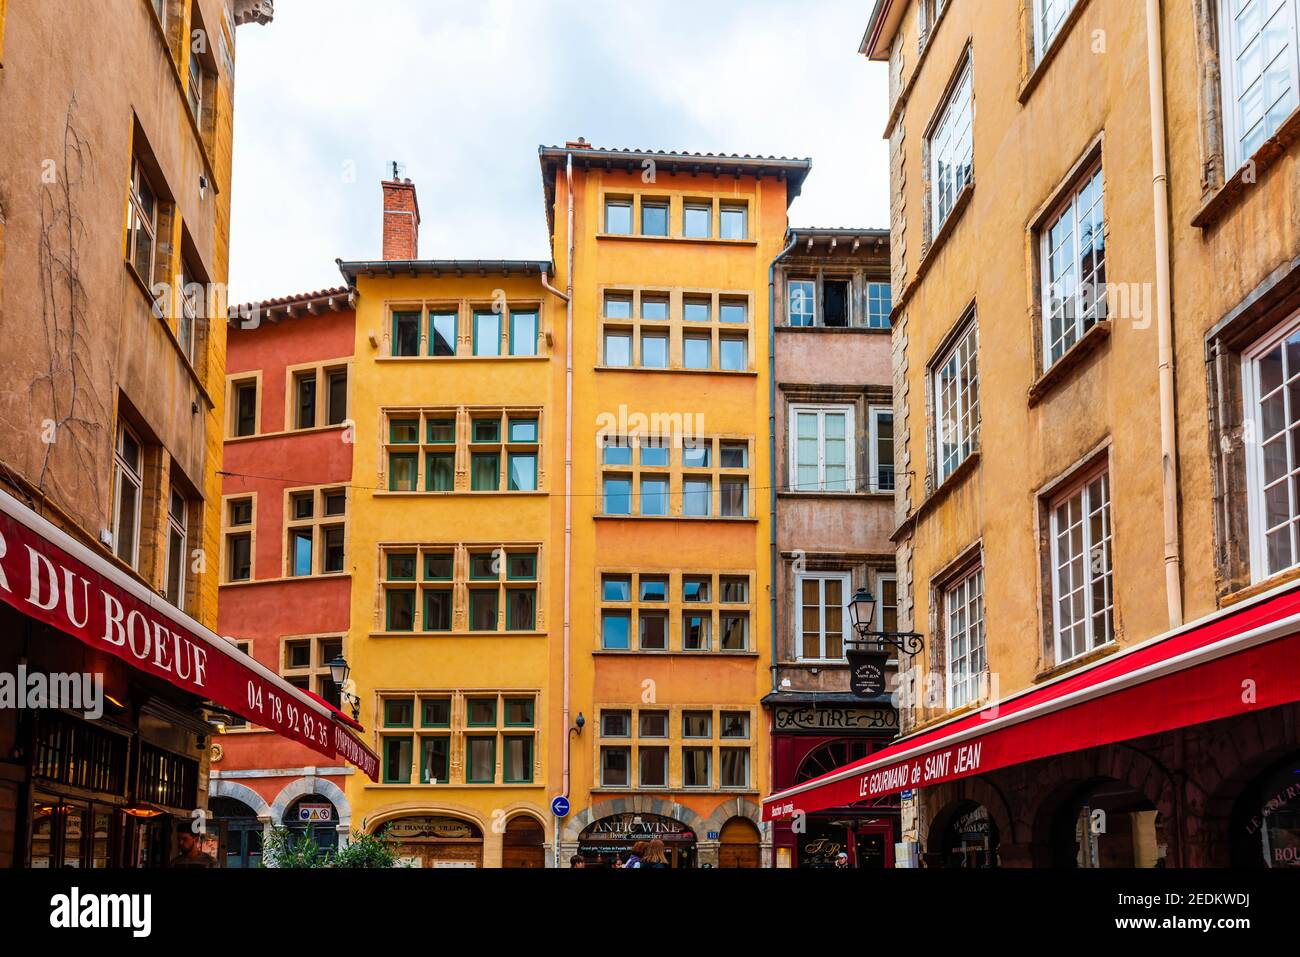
(339, 671)
(866, 650)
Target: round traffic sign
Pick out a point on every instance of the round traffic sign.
(560, 806)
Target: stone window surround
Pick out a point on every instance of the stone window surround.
(1266, 307)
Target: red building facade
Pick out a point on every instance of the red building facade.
(285, 570)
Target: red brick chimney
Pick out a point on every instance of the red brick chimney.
(401, 220)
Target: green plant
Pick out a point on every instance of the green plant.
(367, 850)
(283, 848)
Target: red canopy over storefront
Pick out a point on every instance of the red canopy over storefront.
(49, 576)
(1242, 659)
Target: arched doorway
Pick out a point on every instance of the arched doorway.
(609, 838)
(860, 835)
(524, 843)
(739, 844)
(1108, 823)
(965, 835)
(242, 831)
(1266, 819)
(432, 840)
(315, 815)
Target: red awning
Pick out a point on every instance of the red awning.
(49, 576)
(1238, 660)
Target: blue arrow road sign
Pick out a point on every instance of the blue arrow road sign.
(560, 806)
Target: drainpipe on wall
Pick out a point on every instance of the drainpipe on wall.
(771, 442)
(568, 478)
(1164, 322)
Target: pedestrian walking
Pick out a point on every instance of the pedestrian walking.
(654, 854)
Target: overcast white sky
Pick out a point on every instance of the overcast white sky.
(464, 91)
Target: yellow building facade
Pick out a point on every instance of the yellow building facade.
(559, 528)
(1082, 464)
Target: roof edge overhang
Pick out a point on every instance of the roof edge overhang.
(881, 27)
(436, 267)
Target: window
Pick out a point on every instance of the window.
(951, 150)
(616, 724)
(820, 611)
(142, 224)
(315, 528)
(492, 724)
(336, 409)
(1073, 257)
(305, 663)
(192, 309)
(735, 724)
(653, 764)
(733, 221)
(642, 329)
(696, 767)
(886, 601)
(237, 537)
(963, 611)
(733, 764)
(317, 395)
(703, 464)
(697, 220)
(696, 350)
(1082, 590)
(956, 402)
(406, 333)
(304, 391)
(243, 403)
(821, 451)
(493, 588)
(487, 332)
(618, 348)
(1271, 392)
(803, 301)
(198, 72)
(733, 353)
(654, 217)
(645, 604)
(618, 216)
(882, 450)
(502, 449)
(1258, 52)
(835, 303)
(879, 305)
(128, 495)
(614, 767)
(523, 332)
(1048, 17)
(177, 556)
(442, 332)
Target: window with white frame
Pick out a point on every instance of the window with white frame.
(956, 402)
(1048, 17)
(1082, 586)
(879, 305)
(1270, 373)
(803, 302)
(177, 522)
(142, 223)
(820, 609)
(951, 150)
(1073, 257)
(821, 448)
(882, 449)
(963, 611)
(128, 491)
(1260, 70)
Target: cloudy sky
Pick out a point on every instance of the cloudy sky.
(462, 92)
